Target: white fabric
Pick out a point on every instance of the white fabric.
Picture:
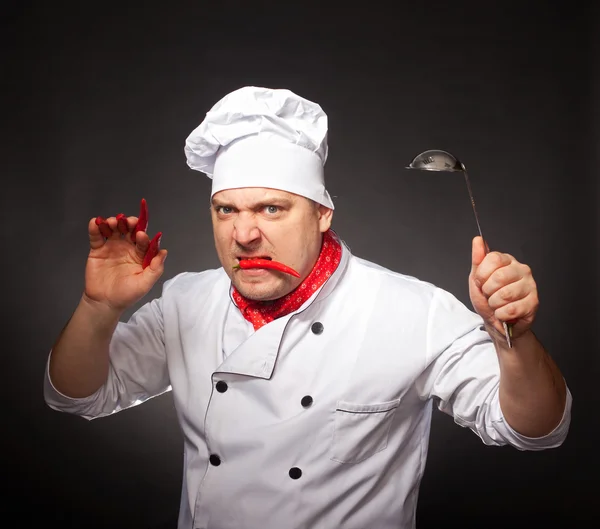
(236, 330)
(261, 137)
(391, 346)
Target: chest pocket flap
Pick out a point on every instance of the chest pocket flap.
(361, 430)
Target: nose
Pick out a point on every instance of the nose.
(245, 229)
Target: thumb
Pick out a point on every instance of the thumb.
(157, 265)
(478, 252)
(478, 299)
(155, 269)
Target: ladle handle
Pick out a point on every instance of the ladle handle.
(507, 326)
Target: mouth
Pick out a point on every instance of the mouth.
(252, 257)
(263, 263)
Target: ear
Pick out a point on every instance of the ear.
(325, 217)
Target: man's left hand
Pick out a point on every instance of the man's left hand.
(502, 289)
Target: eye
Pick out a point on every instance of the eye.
(224, 210)
(271, 210)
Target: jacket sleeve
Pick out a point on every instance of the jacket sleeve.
(463, 376)
(137, 370)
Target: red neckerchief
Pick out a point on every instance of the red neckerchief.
(259, 313)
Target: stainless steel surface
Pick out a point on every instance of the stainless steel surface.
(436, 160)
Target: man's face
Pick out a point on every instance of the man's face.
(261, 222)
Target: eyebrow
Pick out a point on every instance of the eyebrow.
(275, 201)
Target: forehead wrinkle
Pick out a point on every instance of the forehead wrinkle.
(241, 201)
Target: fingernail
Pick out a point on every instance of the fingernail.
(122, 223)
(104, 227)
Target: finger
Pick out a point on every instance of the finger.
(103, 227)
(155, 269)
(516, 310)
(132, 225)
(142, 222)
(509, 293)
(490, 263)
(158, 262)
(112, 224)
(500, 278)
(477, 252)
(153, 249)
(97, 239)
(122, 224)
(142, 241)
(126, 225)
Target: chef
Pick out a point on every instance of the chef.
(303, 376)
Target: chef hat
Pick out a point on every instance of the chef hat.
(260, 137)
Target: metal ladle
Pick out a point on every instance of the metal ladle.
(438, 160)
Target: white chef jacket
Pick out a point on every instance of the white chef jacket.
(321, 418)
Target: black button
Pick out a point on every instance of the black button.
(221, 386)
(295, 473)
(215, 460)
(317, 327)
(306, 401)
(482, 328)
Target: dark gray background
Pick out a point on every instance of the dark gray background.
(97, 102)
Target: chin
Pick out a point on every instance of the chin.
(262, 292)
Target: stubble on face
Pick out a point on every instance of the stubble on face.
(258, 222)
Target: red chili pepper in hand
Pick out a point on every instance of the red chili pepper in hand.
(104, 227)
(142, 223)
(152, 249)
(246, 264)
(122, 223)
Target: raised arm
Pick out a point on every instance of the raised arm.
(116, 277)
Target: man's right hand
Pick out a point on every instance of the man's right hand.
(114, 275)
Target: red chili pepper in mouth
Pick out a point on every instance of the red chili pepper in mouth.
(246, 264)
(152, 250)
(142, 223)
